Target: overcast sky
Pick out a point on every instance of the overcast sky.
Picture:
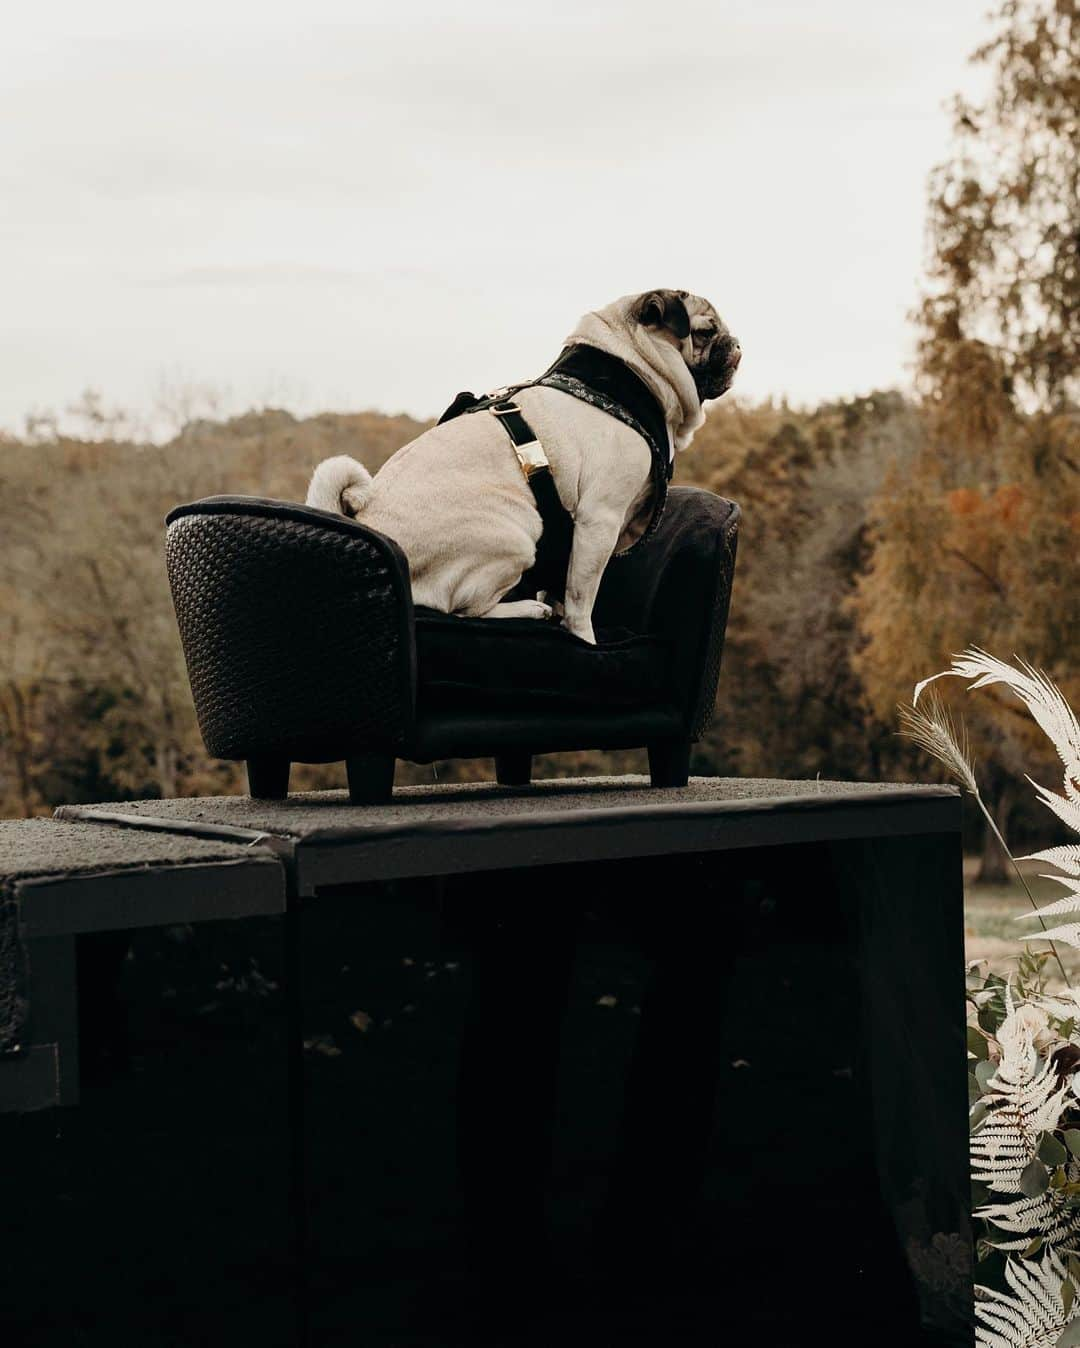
(330, 204)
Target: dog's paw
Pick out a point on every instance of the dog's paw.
(520, 608)
(557, 610)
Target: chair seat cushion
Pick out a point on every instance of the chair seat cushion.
(522, 662)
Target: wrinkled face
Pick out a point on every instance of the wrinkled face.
(697, 331)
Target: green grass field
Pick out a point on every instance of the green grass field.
(991, 931)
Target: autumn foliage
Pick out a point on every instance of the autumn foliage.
(978, 543)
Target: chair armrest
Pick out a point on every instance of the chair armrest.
(297, 629)
(677, 585)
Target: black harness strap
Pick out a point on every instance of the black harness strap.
(548, 571)
(604, 381)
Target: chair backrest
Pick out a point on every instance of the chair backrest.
(297, 629)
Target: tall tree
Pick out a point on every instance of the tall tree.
(978, 543)
(1004, 218)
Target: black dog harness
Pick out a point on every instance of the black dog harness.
(603, 381)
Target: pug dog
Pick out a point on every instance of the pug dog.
(457, 503)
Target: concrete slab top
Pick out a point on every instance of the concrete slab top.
(34, 848)
(452, 828)
(327, 815)
(60, 878)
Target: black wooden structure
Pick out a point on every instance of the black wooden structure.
(778, 1048)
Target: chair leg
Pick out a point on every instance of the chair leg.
(513, 769)
(268, 777)
(669, 763)
(371, 778)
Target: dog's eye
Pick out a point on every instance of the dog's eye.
(702, 334)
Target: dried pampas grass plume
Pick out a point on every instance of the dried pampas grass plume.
(1048, 708)
(932, 728)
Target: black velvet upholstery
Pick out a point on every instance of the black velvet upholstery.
(478, 662)
(302, 645)
(678, 588)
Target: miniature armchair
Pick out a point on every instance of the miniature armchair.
(303, 644)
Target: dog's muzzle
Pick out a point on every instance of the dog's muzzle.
(715, 377)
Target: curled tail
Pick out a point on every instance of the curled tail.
(340, 484)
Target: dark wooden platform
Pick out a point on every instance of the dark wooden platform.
(71, 879)
(450, 829)
(872, 872)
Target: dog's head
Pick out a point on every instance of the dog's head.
(697, 332)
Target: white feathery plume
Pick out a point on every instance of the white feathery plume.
(1044, 701)
(935, 731)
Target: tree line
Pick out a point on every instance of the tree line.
(863, 564)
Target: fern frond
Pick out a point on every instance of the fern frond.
(1024, 1101)
(1066, 858)
(1069, 934)
(1009, 1139)
(1070, 903)
(1071, 884)
(1047, 1215)
(1066, 809)
(1040, 695)
(1033, 1315)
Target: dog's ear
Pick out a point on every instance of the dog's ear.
(665, 309)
